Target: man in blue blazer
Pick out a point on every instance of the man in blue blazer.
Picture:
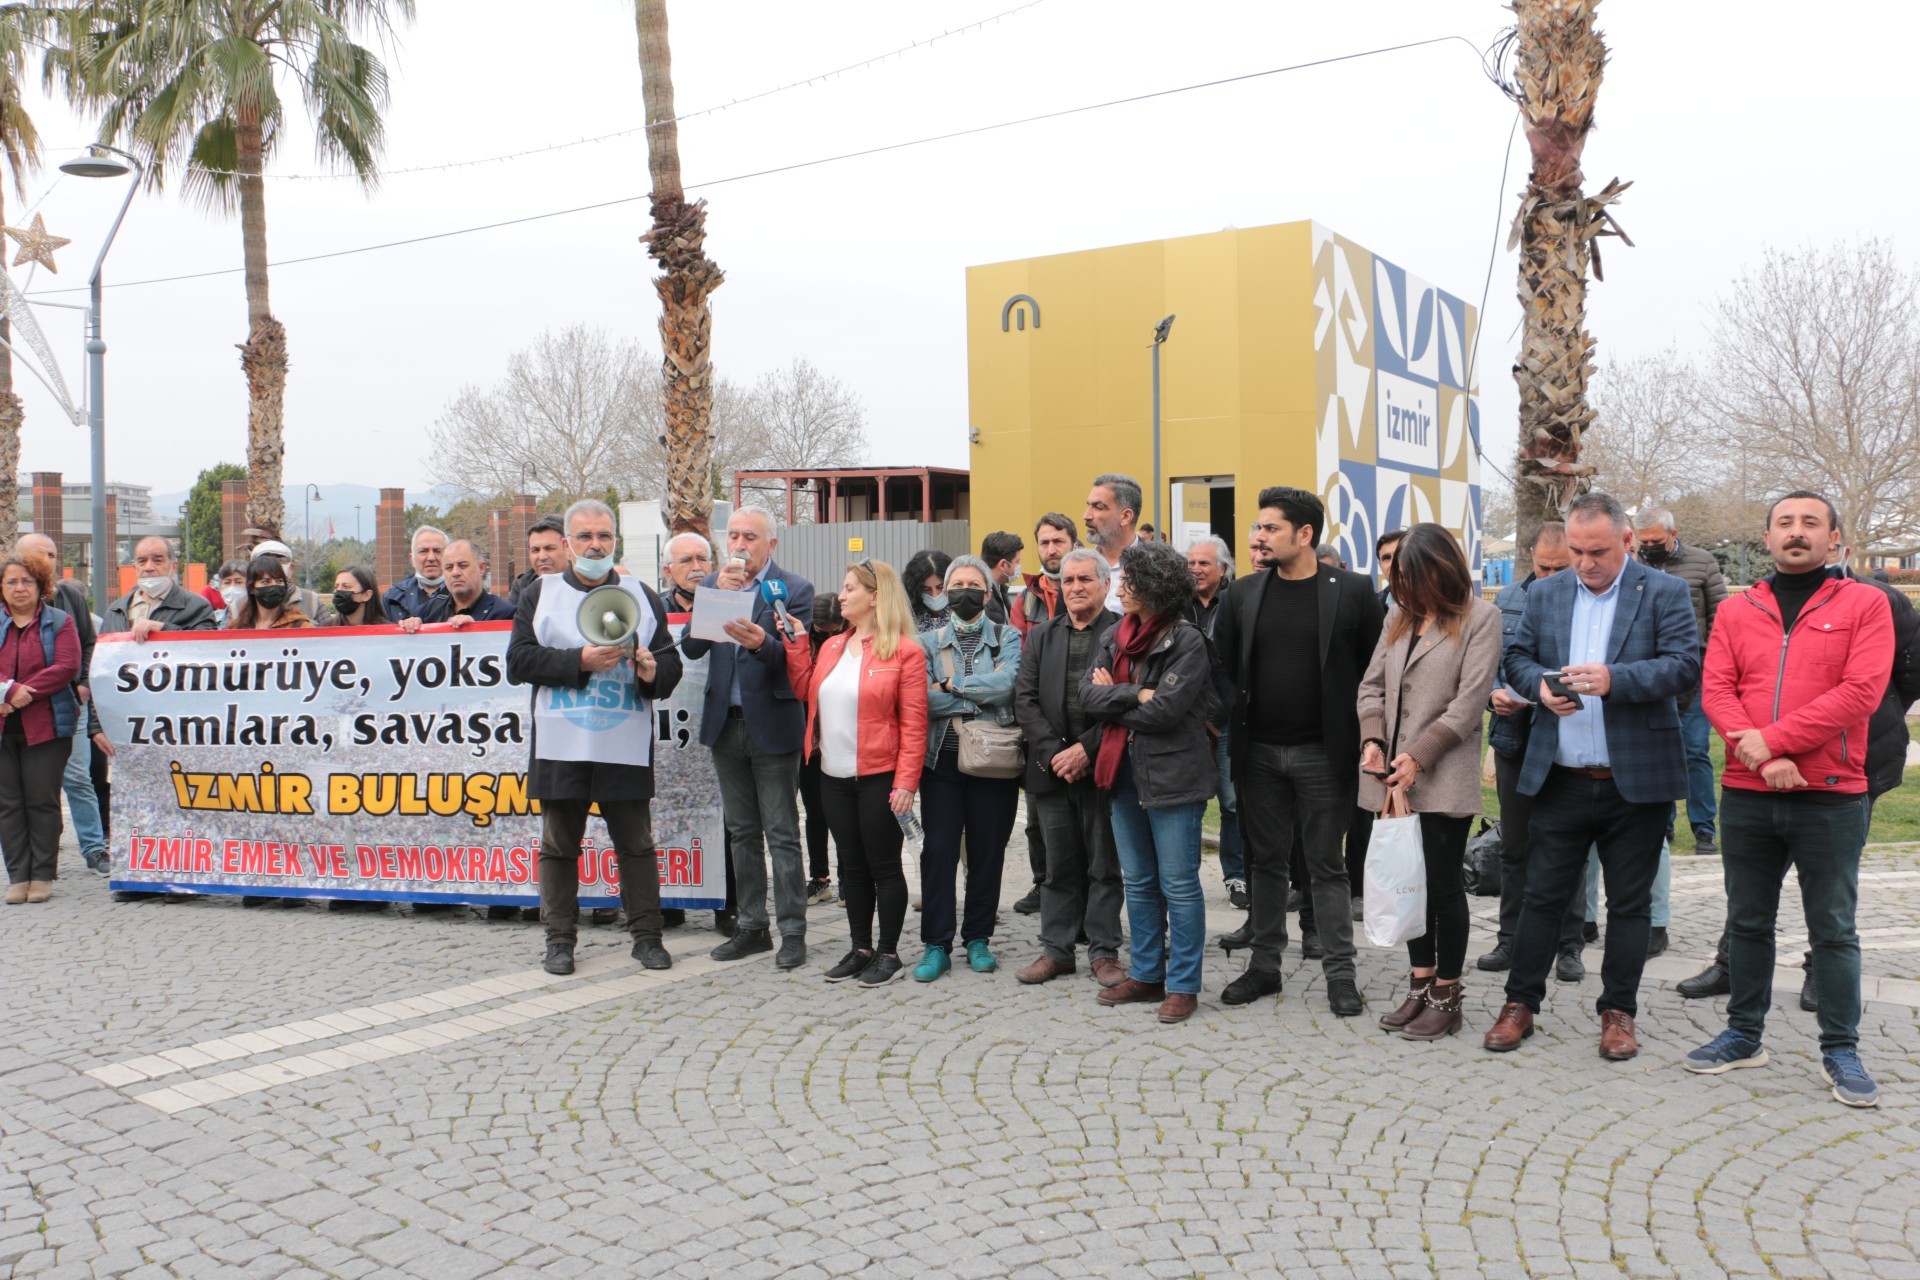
(754, 725)
(1604, 765)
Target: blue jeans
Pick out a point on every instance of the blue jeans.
(77, 782)
(1233, 858)
(1694, 734)
(1662, 887)
(1160, 866)
(1765, 834)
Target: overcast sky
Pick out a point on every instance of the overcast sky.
(859, 265)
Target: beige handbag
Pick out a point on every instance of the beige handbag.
(987, 750)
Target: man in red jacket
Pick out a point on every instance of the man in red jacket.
(1793, 671)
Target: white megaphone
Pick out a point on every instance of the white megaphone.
(610, 616)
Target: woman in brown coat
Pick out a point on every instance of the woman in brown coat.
(1421, 706)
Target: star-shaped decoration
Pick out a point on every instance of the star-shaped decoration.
(36, 245)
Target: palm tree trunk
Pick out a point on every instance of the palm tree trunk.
(263, 357)
(1561, 61)
(13, 416)
(677, 242)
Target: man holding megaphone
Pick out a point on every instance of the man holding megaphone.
(596, 649)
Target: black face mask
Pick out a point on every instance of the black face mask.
(966, 602)
(1655, 555)
(270, 596)
(343, 602)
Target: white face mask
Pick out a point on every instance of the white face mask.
(155, 587)
(593, 568)
(233, 595)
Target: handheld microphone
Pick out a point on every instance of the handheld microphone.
(774, 592)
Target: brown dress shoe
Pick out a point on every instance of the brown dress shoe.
(1045, 969)
(1410, 1007)
(1108, 972)
(1440, 1017)
(39, 890)
(1514, 1024)
(1178, 1007)
(16, 893)
(1132, 991)
(1616, 1036)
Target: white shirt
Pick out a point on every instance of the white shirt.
(1113, 589)
(840, 714)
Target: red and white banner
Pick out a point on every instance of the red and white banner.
(365, 763)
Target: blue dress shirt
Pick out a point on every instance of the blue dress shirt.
(1583, 735)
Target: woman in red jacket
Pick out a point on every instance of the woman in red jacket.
(39, 658)
(867, 719)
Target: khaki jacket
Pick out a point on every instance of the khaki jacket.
(1431, 707)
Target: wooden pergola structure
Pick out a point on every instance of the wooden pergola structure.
(890, 492)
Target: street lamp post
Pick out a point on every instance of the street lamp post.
(100, 162)
(1160, 332)
(306, 498)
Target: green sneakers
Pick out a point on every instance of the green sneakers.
(933, 964)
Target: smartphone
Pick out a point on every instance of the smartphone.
(1557, 683)
(1382, 774)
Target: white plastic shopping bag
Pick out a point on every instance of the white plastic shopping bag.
(1396, 901)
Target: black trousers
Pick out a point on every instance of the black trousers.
(630, 823)
(869, 839)
(1516, 811)
(1359, 832)
(816, 832)
(1571, 815)
(30, 804)
(1443, 947)
(953, 806)
(102, 789)
(1036, 843)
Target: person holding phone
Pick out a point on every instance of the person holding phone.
(1605, 772)
(1420, 712)
(866, 697)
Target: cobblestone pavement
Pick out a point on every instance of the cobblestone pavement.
(195, 1089)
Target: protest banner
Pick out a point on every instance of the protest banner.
(365, 763)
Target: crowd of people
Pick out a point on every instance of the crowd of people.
(1125, 686)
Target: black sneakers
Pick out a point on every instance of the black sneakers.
(852, 965)
(884, 968)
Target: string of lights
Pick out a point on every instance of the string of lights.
(802, 164)
(506, 157)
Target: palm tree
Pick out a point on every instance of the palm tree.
(1560, 61)
(195, 84)
(20, 26)
(677, 242)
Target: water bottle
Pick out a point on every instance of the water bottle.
(910, 827)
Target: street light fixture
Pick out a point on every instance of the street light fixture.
(306, 498)
(1160, 332)
(102, 161)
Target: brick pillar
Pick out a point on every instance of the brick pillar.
(49, 516)
(116, 550)
(500, 525)
(233, 518)
(525, 512)
(390, 538)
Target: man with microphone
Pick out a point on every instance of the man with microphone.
(754, 725)
(593, 731)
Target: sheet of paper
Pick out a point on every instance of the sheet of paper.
(713, 609)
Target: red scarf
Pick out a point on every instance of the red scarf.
(1133, 638)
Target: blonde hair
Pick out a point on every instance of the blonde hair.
(892, 616)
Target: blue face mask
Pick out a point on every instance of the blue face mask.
(593, 568)
(934, 603)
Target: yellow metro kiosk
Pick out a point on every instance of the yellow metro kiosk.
(1297, 357)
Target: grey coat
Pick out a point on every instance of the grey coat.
(182, 610)
(1430, 706)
